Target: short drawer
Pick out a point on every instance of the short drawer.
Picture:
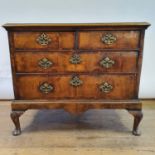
(61, 62)
(76, 86)
(44, 40)
(109, 40)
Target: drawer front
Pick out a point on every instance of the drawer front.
(99, 62)
(109, 40)
(44, 87)
(77, 86)
(107, 87)
(44, 40)
(76, 62)
(44, 62)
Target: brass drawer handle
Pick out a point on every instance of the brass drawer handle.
(43, 39)
(46, 88)
(105, 87)
(45, 63)
(107, 62)
(75, 81)
(75, 59)
(108, 39)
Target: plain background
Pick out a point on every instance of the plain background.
(79, 11)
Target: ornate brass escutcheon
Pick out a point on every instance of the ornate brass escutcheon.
(105, 87)
(75, 81)
(75, 59)
(43, 39)
(46, 88)
(108, 39)
(45, 63)
(107, 62)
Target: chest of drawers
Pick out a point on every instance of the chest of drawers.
(76, 67)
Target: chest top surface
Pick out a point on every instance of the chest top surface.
(18, 26)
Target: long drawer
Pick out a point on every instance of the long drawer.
(68, 61)
(75, 86)
(109, 39)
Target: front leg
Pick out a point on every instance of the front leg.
(138, 115)
(15, 118)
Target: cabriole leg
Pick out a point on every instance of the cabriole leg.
(138, 115)
(15, 118)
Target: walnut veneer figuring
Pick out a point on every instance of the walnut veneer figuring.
(76, 67)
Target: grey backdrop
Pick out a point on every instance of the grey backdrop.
(75, 11)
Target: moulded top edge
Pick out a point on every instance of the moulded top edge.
(140, 24)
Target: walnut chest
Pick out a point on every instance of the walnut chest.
(76, 67)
